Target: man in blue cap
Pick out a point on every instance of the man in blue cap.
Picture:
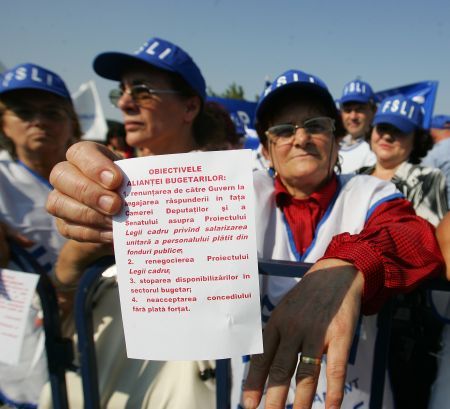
(439, 155)
(358, 108)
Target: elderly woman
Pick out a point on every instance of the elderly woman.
(37, 125)
(361, 254)
(161, 95)
(399, 143)
(358, 233)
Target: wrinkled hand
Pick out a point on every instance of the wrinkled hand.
(83, 198)
(8, 233)
(319, 315)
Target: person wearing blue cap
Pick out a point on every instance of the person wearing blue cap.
(301, 215)
(439, 154)
(305, 212)
(161, 96)
(37, 125)
(357, 106)
(399, 143)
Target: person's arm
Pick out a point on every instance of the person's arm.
(443, 237)
(395, 251)
(319, 315)
(73, 260)
(84, 197)
(75, 257)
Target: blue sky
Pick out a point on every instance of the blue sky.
(386, 43)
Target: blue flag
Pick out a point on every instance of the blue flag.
(241, 112)
(423, 93)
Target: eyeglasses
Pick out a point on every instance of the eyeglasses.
(51, 113)
(283, 134)
(139, 93)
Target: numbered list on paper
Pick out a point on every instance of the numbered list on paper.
(186, 257)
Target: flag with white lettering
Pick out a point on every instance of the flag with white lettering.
(423, 93)
(90, 112)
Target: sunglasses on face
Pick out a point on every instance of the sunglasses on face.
(140, 93)
(283, 134)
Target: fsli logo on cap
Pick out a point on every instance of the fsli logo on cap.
(286, 80)
(166, 55)
(404, 113)
(32, 76)
(292, 76)
(158, 53)
(357, 91)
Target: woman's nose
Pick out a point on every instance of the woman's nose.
(126, 102)
(301, 137)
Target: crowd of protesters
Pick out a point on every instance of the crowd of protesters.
(357, 188)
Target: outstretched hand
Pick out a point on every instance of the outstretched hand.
(319, 315)
(84, 197)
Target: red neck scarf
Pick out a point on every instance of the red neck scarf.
(303, 215)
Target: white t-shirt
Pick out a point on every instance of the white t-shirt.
(355, 154)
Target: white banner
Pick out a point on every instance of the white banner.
(90, 112)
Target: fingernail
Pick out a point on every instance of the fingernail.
(105, 202)
(249, 403)
(106, 177)
(106, 236)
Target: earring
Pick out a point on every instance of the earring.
(272, 172)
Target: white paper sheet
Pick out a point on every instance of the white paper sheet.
(16, 292)
(186, 257)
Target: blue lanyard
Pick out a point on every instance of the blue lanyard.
(298, 256)
(36, 175)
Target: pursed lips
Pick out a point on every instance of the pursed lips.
(130, 125)
(304, 155)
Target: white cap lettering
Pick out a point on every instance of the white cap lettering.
(165, 53)
(21, 73)
(35, 75)
(151, 49)
(281, 81)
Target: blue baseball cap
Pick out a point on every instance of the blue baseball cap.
(401, 112)
(289, 80)
(440, 122)
(158, 53)
(357, 91)
(32, 76)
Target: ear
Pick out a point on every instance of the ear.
(266, 154)
(192, 108)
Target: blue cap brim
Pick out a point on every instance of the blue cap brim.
(405, 125)
(262, 106)
(38, 87)
(112, 65)
(355, 98)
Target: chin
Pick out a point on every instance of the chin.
(136, 139)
